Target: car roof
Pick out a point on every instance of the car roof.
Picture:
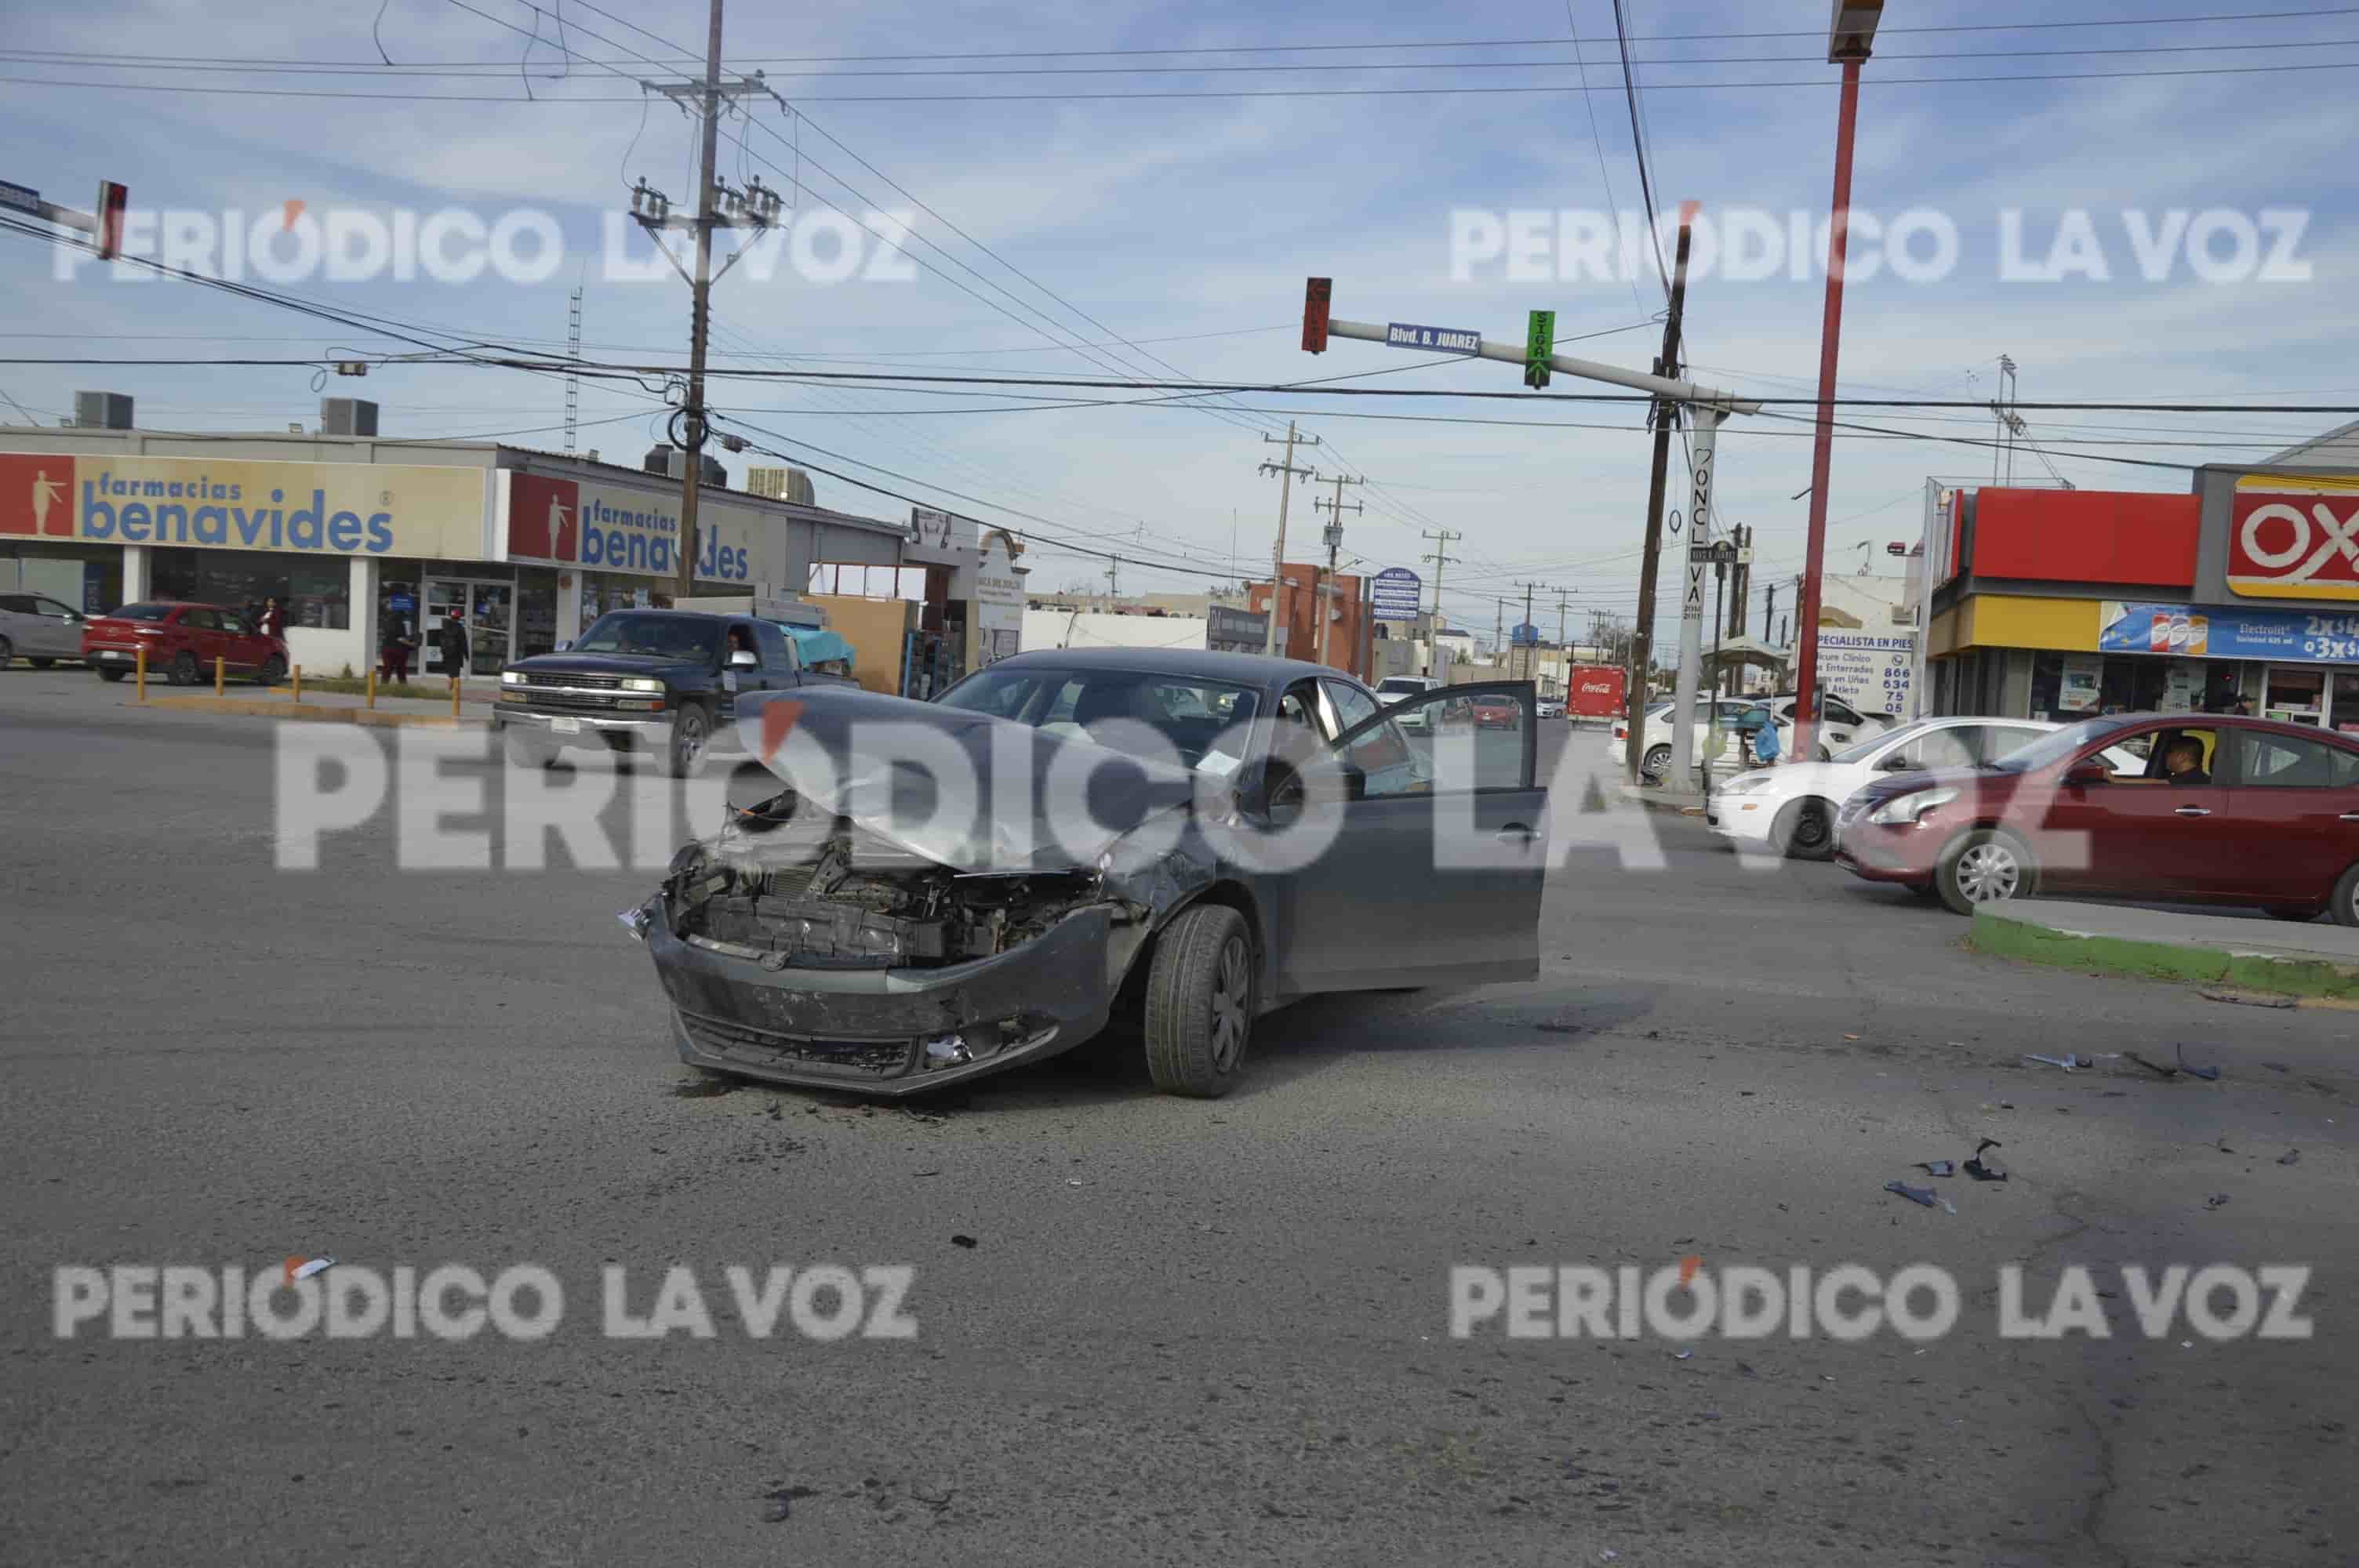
(1256, 669)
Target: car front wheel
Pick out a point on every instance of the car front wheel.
(1805, 829)
(1656, 762)
(1199, 1003)
(1983, 867)
(111, 675)
(690, 731)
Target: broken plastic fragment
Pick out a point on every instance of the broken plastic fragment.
(636, 922)
(305, 1270)
(1913, 1194)
(2207, 1073)
(1982, 1172)
(2069, 1063)
(1938, 1167)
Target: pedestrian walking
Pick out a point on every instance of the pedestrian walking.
(1764, 740)
(393, 648)
(274, 619)
(455, 652)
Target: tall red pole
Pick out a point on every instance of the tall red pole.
(1806, 613)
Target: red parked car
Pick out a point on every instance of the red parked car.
(1496, 713)
(182, 640)
(2226, 810)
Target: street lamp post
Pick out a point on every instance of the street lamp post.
(1849, 42)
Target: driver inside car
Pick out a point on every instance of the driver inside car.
(2182, 761)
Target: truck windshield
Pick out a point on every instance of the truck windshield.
(652, 634)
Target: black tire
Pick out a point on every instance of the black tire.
(1656, 762)
(1805, 829)
(184, 670)
(111, 675)
(1923, 889)
(692, 732)
(2294, 912)
(2344, 907)
(1199, 1003)
(7, 652)
(273, 671)
(1825, 755)
(39, 664)
(1985, 866)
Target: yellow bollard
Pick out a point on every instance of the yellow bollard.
(298, 684)
(454, 696)
(219, 677)
(371, 687)
(142, 655)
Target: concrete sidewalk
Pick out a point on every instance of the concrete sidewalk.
(2315, 961)
(415, 711)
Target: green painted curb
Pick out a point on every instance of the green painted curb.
(2007, 936)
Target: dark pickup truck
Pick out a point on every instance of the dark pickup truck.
(659, 681)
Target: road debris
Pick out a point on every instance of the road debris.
(1986, 1170)
(2289, 1157)
(1913, 1194)
(2249, 999)
(1938, 1167)
(2070, 1064)
(2208, 1075)
(968, 1242)
(1684, 1355)
(2217, 1200)
(780, 1502)
(297, 1272)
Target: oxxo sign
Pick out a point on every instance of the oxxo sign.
(2294, 541)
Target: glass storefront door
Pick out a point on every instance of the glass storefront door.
(486, 608)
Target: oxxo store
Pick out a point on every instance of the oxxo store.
(524, 548)
(2240, 596)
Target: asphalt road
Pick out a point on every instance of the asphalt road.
(1184, 1332)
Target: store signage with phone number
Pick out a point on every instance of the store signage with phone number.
(2218, 632)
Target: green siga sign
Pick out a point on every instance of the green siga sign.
(1539, 345)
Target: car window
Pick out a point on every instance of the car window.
(1460, 742)
(1841, 713)
(1351, 705)
(51, 607)
(1948, 747)
(2161, 744)
(2346, 768)
(1193, 715)
(16, 602)
(202, 618)
(777, 654)
(652, 634)
(1996, 741)
(2284, 761)
(235, 623)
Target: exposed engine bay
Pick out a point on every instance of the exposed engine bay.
(798, 888)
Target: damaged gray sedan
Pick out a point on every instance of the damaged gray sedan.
(1185, 839)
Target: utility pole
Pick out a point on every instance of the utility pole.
(1286, 473)
(1114, 584)
(1334, 510)
(1441, 538)
(1499, 626)
(717, 207)
(1530, 648)
(1667, 413)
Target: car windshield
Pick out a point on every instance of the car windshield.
(1860, 751)
(651, 635)
(1196, 716)
(144, 612)
(2054, 748)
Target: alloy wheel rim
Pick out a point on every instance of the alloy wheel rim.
(1987, 874)
(692, 742)
(1230, 984)
(1811, 828)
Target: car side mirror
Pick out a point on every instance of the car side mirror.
(2092, 772)
(743, 659)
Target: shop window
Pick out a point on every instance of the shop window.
(315, 593)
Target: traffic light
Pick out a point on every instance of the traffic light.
(1539, 344)
(1314, 314)
(109, 213)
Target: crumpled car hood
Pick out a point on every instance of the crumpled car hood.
(966, 789)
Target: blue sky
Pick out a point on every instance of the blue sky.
(1197, 219)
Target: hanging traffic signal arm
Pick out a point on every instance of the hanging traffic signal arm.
(1588, 369)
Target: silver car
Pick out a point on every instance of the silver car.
(38, 630)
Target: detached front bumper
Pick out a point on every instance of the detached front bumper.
(886, 1032)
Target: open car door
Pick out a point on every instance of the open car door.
(1434, 873)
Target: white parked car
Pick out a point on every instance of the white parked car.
(1654, 733)
(1840, 725)
(1393, 690)
(1792, 807)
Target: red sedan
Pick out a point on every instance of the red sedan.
(183, 642)
(2225, 810)
(1496, 713)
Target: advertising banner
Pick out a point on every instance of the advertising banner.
(2227, 632)
(2291, 535)
(1231, 630)
(315, 509)
(998, 603)
(609, 528)
(1395, 594)
(1874, 674)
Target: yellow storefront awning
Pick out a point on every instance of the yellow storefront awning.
(2009, 621)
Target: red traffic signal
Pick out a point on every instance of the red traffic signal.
(109, 213)
(1314, 314)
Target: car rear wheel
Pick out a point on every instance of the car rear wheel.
(109, 675)
(1983, 867)
(1656, 762)
(1805, 829)
(690, 731)
(2346, 907)
(39, 664)
(184, 670)
(1199, 1003)
(273, 671)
